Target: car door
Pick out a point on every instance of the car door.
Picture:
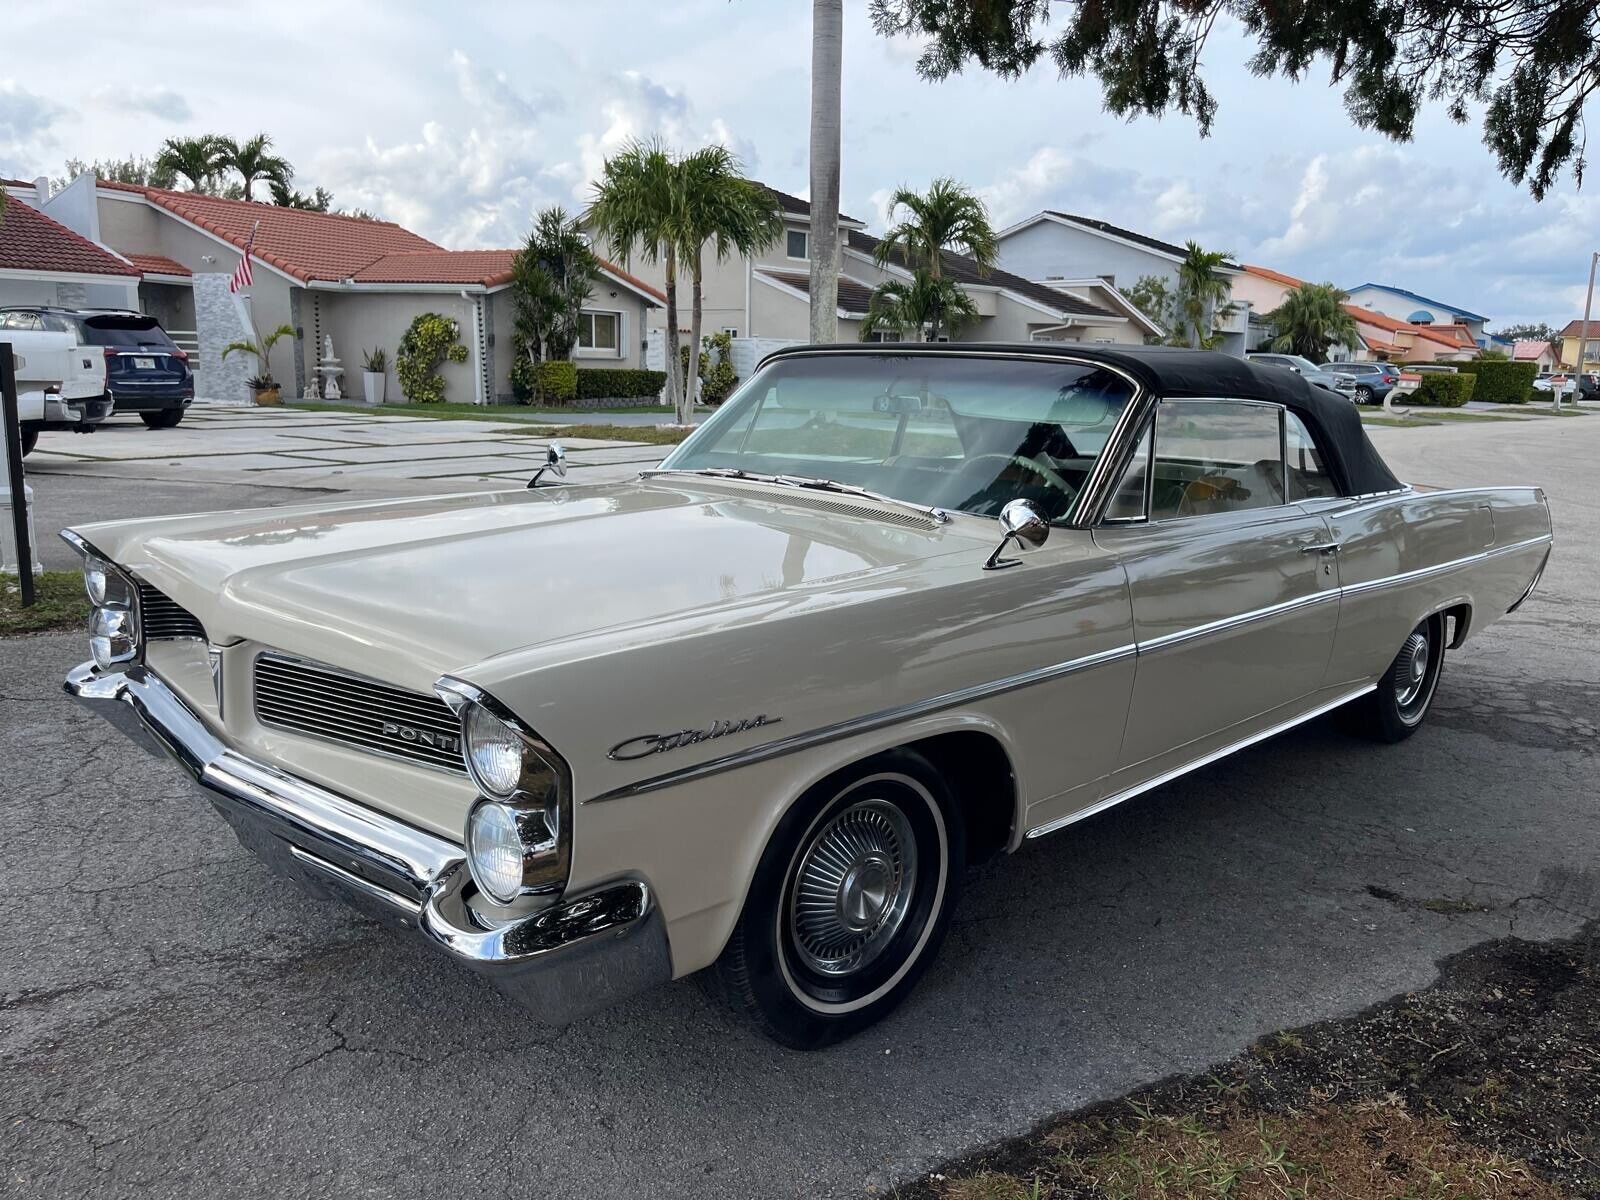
(1234, 594)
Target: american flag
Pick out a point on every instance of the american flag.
(241, 274)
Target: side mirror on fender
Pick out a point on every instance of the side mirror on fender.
(555, 461)
(1023, 523)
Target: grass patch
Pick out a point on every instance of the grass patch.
(451, 411)
(1485, 1085)
(58, 603)
(653, 434)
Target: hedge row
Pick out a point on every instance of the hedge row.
(608, 383)
(1500, 380)
(1442, 390)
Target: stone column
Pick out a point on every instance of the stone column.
(218, 321)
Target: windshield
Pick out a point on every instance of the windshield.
(965, 434)
(123, 331)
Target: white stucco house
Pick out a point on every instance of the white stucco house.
(359, 282)
(1053, 246)
(1415, 309)
(44, 262)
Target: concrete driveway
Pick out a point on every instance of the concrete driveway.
(288, 447)
(176, 1021)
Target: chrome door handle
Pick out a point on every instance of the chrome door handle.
(1322, 548)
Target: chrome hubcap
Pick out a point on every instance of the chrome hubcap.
(1413, 670)
(853, 887)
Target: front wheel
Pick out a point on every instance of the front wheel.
(849, 902)
(167, 418)
(1397, 708)
(1364, 395)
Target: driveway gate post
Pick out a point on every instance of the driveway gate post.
(11, 436)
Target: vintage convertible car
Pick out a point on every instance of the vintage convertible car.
(891, 610)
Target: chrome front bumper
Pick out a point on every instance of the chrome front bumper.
(579, 955)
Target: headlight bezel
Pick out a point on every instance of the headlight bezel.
(538, 804)
(116, 638)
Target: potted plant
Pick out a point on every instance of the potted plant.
(374, 365)
(263, 387)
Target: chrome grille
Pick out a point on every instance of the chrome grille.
(163, 617)
(333, 705)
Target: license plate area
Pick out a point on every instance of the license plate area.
(144, 364)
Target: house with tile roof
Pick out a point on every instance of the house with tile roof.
(325, 275)
(44, 262)
(1545, 355)
(1591, 345)
(767, 295)
(1053, 244)
(1416, 309)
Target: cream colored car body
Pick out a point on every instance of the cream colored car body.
(1110, 660)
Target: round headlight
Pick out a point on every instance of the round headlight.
(95, 573)
(494, 751)
(495, 850)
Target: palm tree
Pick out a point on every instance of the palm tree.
(946, 217)
(262, 353)
(719, 209)
(921, 309)
(197, 159)
(1312, 318)
(252, 159)
(551, 277)
(1202, 297)
(827, 39)
(633, 208)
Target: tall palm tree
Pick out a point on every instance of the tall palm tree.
(720, 210)
(946, 217)
(634, 210)
(827, 40)
(1202, 296)
(1312, 318)
(196, 159)
(252, 159)
(921, 309)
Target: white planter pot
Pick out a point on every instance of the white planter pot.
(372, 381)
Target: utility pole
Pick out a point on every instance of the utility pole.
(1583, 332)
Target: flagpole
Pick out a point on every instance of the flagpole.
(263, 366)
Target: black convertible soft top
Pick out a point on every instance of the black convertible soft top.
(1171, 371)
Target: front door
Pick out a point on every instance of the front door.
(1235, 598)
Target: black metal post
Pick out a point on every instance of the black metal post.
(19, 496)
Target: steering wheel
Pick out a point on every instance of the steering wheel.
(1047, 473)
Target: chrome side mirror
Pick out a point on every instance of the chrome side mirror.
(555, 461)
(1022, 523)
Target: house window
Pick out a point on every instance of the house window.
(600, 332)
(731, 330)
(796, 243)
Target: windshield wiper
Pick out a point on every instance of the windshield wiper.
(809, 482)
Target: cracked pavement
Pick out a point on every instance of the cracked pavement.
(175, 1020)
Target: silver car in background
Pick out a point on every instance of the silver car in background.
(1334, 381)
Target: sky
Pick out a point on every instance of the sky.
(461, 120)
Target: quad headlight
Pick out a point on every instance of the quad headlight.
(114, 623)
(518, 833)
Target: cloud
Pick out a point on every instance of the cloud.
(1052, 178)
(25, 119)
(157, 102)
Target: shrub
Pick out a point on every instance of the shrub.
(1500, 380)
(523, 383)
(1443, 390)
(716, 377)
(431, 340)
(556, 382)
(610, 383)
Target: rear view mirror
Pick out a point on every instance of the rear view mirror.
(898, 405)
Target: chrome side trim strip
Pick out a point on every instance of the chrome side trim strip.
(1117, 798)
(1441, 568)
(891, 716)
(865, 724)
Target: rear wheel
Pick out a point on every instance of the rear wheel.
(167, 418)
(1398, 707)
(849, 902)
(1364, 394)
(30, 439)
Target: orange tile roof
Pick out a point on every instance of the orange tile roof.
(1528, 348)
(1275, 276)
(157, 264)
(1446, 335)
(1571, 330)
(490, 268)
(31, 241)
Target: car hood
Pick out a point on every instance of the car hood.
(406, 589)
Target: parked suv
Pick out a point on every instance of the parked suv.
(145, 369)
(1307, 370)
(61, 383)
(1373, 380)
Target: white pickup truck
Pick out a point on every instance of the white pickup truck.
(60, 384)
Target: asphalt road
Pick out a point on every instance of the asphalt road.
(175, 1021)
